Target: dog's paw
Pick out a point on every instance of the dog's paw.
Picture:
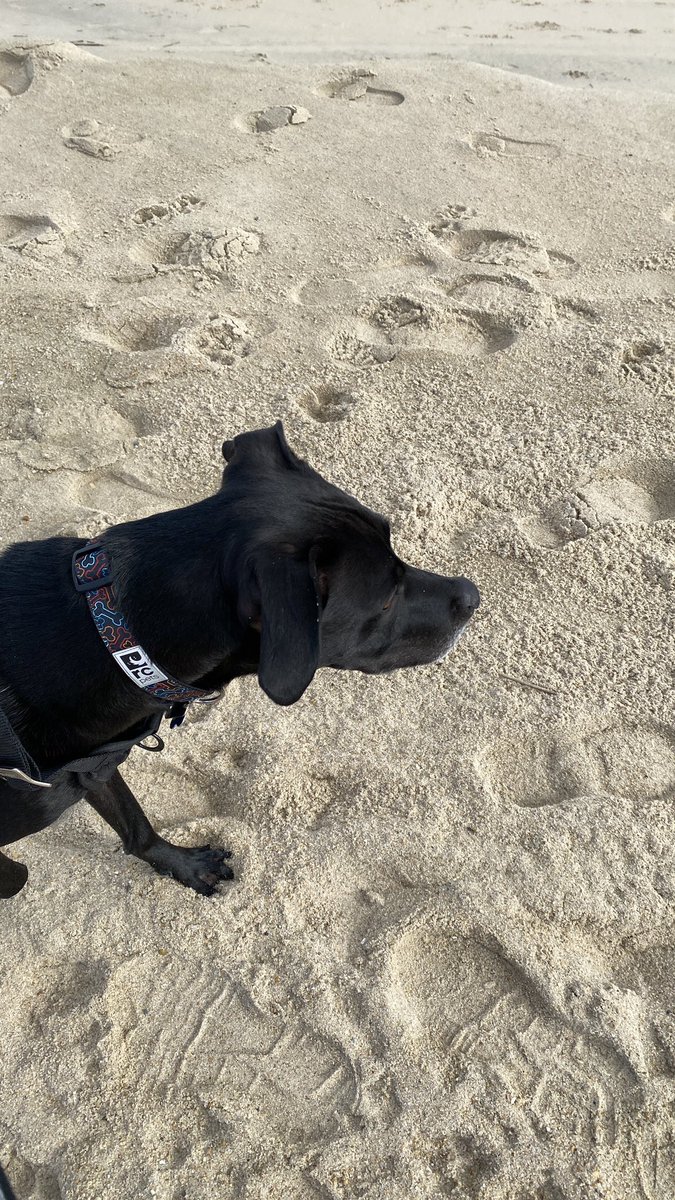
(207, 868)
(203, 868)
(199, 867)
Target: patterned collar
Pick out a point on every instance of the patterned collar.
(93, 575)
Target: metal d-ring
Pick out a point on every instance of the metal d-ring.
(159, 744)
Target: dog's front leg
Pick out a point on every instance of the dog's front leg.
(13, 875)
(197, 867)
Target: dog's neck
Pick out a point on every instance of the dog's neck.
(61, 689)
(170, 588)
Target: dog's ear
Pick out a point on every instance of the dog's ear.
(262, 449)
(289, 625)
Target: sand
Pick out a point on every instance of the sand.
(447, 966)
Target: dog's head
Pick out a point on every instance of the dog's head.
(319, 577)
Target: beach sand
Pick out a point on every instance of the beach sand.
(447, 964)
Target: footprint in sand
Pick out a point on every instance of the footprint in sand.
(339, 292)
(221, 339)
(486, 314)
(358, 348)
(56, 436)
(491, 246)
(482, 333)
(651, 362)
(398, 324)
(497, 145)
(658, 260)
(523, 252)
(136, 330)
(117, 494)
(16, 72)
(92, 138)
(400, 312)
(508, 300)
(218, 253)
(475, 981)
(458, 212)
(166, 210)
(206, 253)
(357, 85)
(650, 971)
(562, 265)
(210, 1045)
(32, 236)
(403, 321)
(271, 119)
(636, 762)
(143, 342)
(325, 403)
(535, 1079)
(575, 312)
(149, 345)
(639, 493)
(410, 323)
(79, 498)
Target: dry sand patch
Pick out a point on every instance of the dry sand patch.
(444, 969)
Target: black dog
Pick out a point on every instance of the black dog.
(279, 573)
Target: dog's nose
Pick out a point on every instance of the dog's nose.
(464, 597)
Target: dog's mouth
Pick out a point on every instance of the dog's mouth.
(413, 661)
(451, 646)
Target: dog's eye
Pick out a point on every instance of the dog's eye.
(391, 599)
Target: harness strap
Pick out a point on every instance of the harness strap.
(15, 761)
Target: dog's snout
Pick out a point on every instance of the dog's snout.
(464, 597)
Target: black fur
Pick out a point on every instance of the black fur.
(279, 573)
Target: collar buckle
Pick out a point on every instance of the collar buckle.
(88, 573)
